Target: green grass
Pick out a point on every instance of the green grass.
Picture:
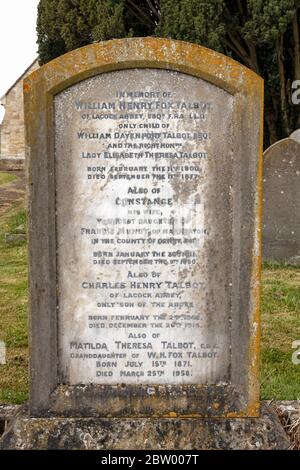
(6, 178)
(280, 308)
(280, 311)
(13, 310)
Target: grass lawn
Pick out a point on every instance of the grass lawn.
(6, 177)
(13, 310)
(280, 378)
(280, 309)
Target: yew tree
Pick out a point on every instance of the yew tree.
(261, 34)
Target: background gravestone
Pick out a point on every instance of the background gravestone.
(145, 204)
(281, 202)
(295, 135)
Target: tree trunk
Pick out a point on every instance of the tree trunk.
(296, 38)
(271, 114)
(253, 57)
(271, 127)
(283, 98)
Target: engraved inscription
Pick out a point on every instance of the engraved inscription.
(144, 293)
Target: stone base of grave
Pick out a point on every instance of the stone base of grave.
(26, 433)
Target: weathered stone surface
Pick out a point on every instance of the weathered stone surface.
(8, 411)
(12, 164)
(228, 198)
(12, 136)
(281, 202)
(14, 237)
(295, 135)
(159, 401)
(145, 433)
(168, 204)
(2, 352)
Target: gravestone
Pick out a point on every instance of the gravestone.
(295, 135)
(281, 202)
(145, 202)
(2, 353)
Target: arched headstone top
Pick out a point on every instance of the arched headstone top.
(149, 52)
(295, 135)
(281, 147)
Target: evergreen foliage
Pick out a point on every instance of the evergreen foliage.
(261, 34)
